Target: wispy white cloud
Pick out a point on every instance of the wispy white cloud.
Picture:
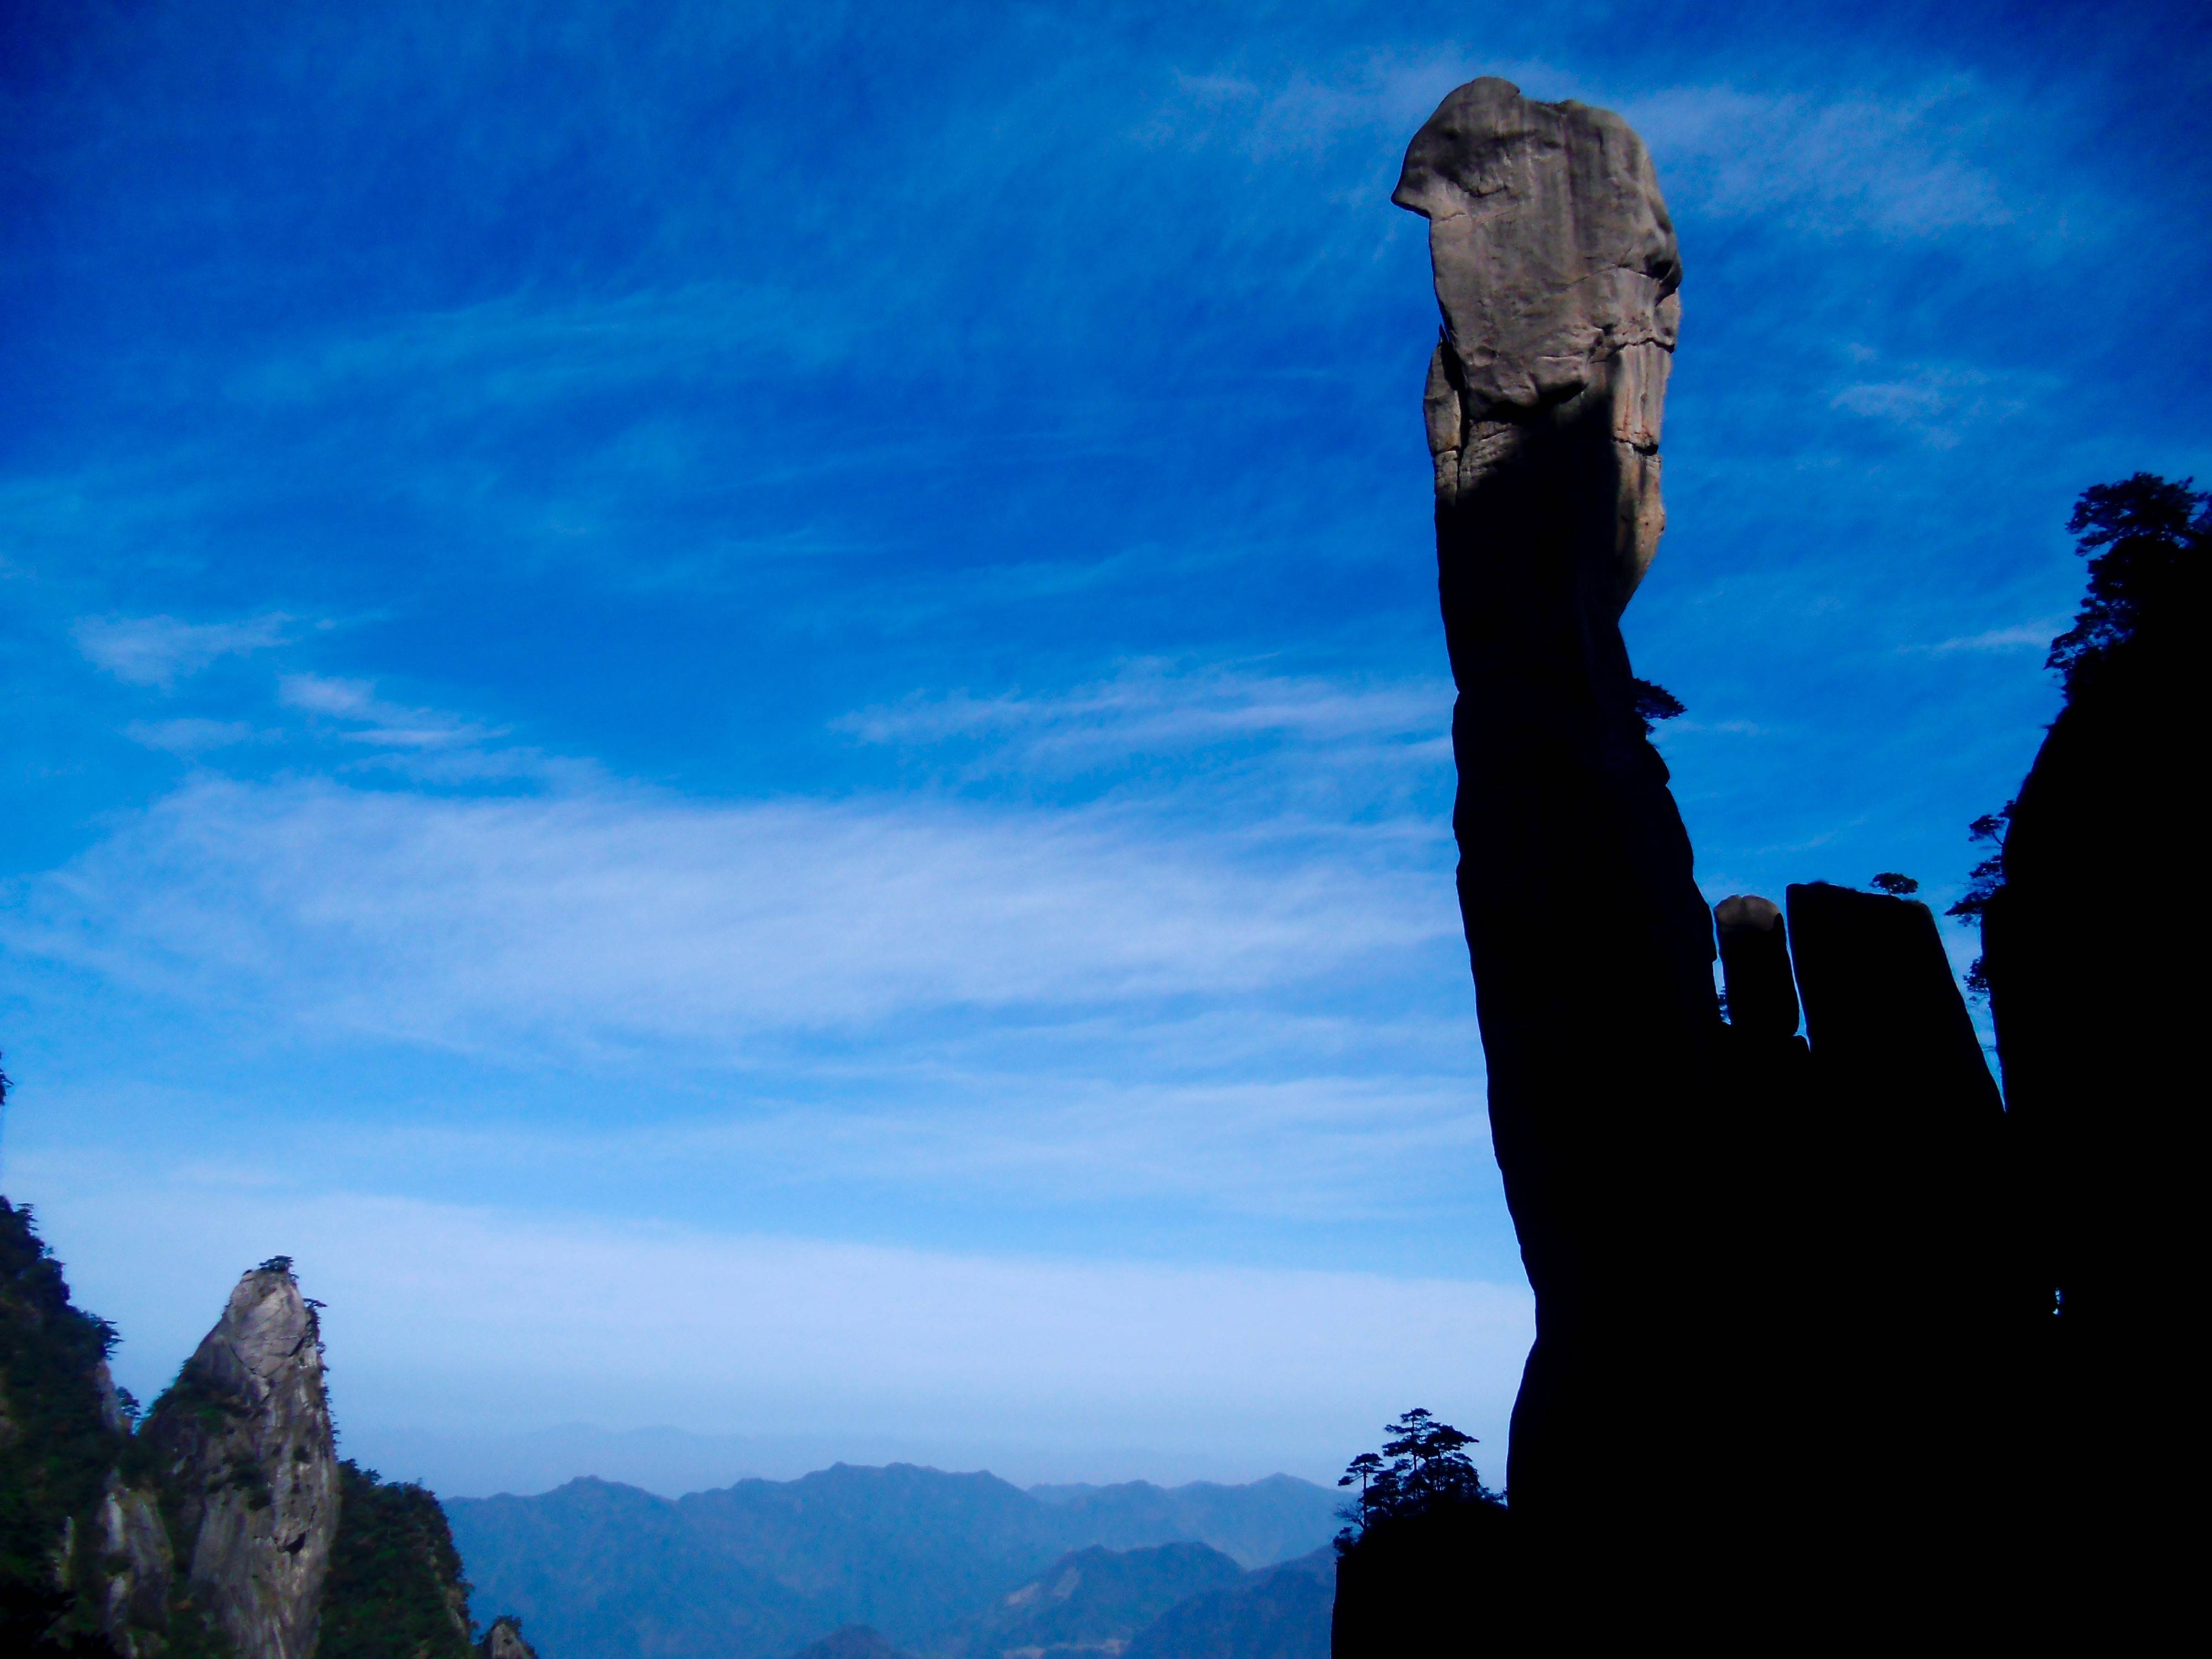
(1387, 1143)
(2023, 636)
(1157, 707)
(189, 737)
(370, 719)
(1926, 163)
(1691, 727)
(1307, 110)
(159, 650)
(520, 351)
(617, 916)
(1936, 402)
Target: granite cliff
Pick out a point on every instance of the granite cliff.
(224, 1526)
(243, 1441)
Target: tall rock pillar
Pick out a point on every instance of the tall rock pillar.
(1592, 949)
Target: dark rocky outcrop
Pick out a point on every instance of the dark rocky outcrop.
(1908, 1212)
(2087, 946)
(1444, 1579)
(1738, 1240)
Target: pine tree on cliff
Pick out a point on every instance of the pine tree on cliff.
(1422, 1467)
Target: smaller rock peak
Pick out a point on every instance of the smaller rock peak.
(1747, 912)
(504, 1640)
(245, 1439)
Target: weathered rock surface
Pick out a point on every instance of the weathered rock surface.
(1557, 273)
(139, 1567)
(244, 1437)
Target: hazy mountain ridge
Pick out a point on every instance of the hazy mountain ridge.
(1257, 1524)
(1092, 1600)
(761, 1569)
(1281, 1613)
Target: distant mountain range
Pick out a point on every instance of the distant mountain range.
(862, 1561)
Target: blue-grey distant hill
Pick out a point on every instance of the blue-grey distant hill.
(1279, 1612)
(924, 1559)
(1093, 1601)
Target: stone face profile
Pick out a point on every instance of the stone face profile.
(1557, 273)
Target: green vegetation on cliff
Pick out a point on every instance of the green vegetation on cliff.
(395, 1585)
(61, 1433)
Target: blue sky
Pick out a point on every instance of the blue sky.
(738, 711)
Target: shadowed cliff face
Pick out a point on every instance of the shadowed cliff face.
(2097, 1019)
(244, 1440)
(141, 1567)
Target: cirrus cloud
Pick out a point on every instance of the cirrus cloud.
(159, 650)
(615, 916)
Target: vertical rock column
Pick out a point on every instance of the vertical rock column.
(244, 1438)
(1592, 949)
